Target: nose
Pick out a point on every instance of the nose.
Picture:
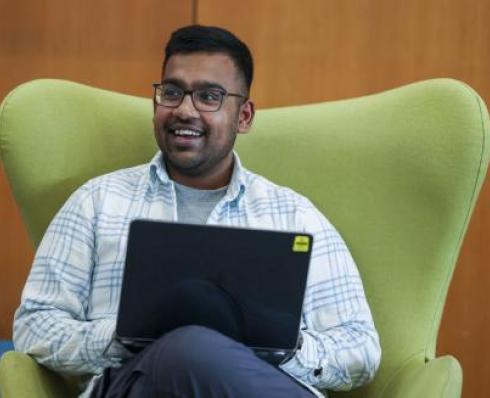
(186, 109)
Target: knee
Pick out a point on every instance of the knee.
(188, 338)
(187, 355)
(188, 346)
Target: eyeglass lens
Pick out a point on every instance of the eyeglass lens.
(206, 99)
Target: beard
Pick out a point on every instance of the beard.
(200, 156)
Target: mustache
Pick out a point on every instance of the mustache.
(180, 125)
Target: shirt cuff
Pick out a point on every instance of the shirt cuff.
(113, 352)
(305, 363)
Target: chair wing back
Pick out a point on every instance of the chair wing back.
(398, 173)
(55, 135)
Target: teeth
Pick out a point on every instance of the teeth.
(187, 133)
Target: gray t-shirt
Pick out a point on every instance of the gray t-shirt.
(195, 205)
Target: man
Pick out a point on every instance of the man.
(67, 317)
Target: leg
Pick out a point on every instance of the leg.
(196, 362)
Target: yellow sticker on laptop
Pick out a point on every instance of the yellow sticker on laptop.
(301, 243)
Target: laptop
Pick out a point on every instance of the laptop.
(246, 283)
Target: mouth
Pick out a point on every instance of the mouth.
(186, 137)
(188, 133)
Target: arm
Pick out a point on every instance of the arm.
(51, 323)
(340, 348)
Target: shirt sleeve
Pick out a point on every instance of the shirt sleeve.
(51, 323)
(340, 348)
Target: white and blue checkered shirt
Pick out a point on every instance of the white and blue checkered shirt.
(67, 317)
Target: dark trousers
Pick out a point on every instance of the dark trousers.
(197, 362)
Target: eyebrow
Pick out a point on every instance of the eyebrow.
(197, 85)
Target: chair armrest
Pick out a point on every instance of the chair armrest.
(438, 378)
(22, 377)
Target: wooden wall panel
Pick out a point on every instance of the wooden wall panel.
(317, 50)
(114, 44)
(15, 257)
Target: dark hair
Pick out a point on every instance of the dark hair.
(198, 38)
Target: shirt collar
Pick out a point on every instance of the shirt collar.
(158, 174)
(237, 183)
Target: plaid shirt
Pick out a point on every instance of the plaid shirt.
(67, 316)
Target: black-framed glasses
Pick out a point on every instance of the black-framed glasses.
(204, 99)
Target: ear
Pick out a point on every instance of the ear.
(246, 117)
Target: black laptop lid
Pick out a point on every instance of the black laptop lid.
(246, 283)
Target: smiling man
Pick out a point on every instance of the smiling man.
(67, 316)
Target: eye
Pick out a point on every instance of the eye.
(171, 92)
(209, 96)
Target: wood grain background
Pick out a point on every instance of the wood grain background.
(305, 51)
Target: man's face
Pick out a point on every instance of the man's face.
(204, 158)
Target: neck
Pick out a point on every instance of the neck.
(212, 180)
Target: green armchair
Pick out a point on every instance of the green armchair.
(398, 173)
